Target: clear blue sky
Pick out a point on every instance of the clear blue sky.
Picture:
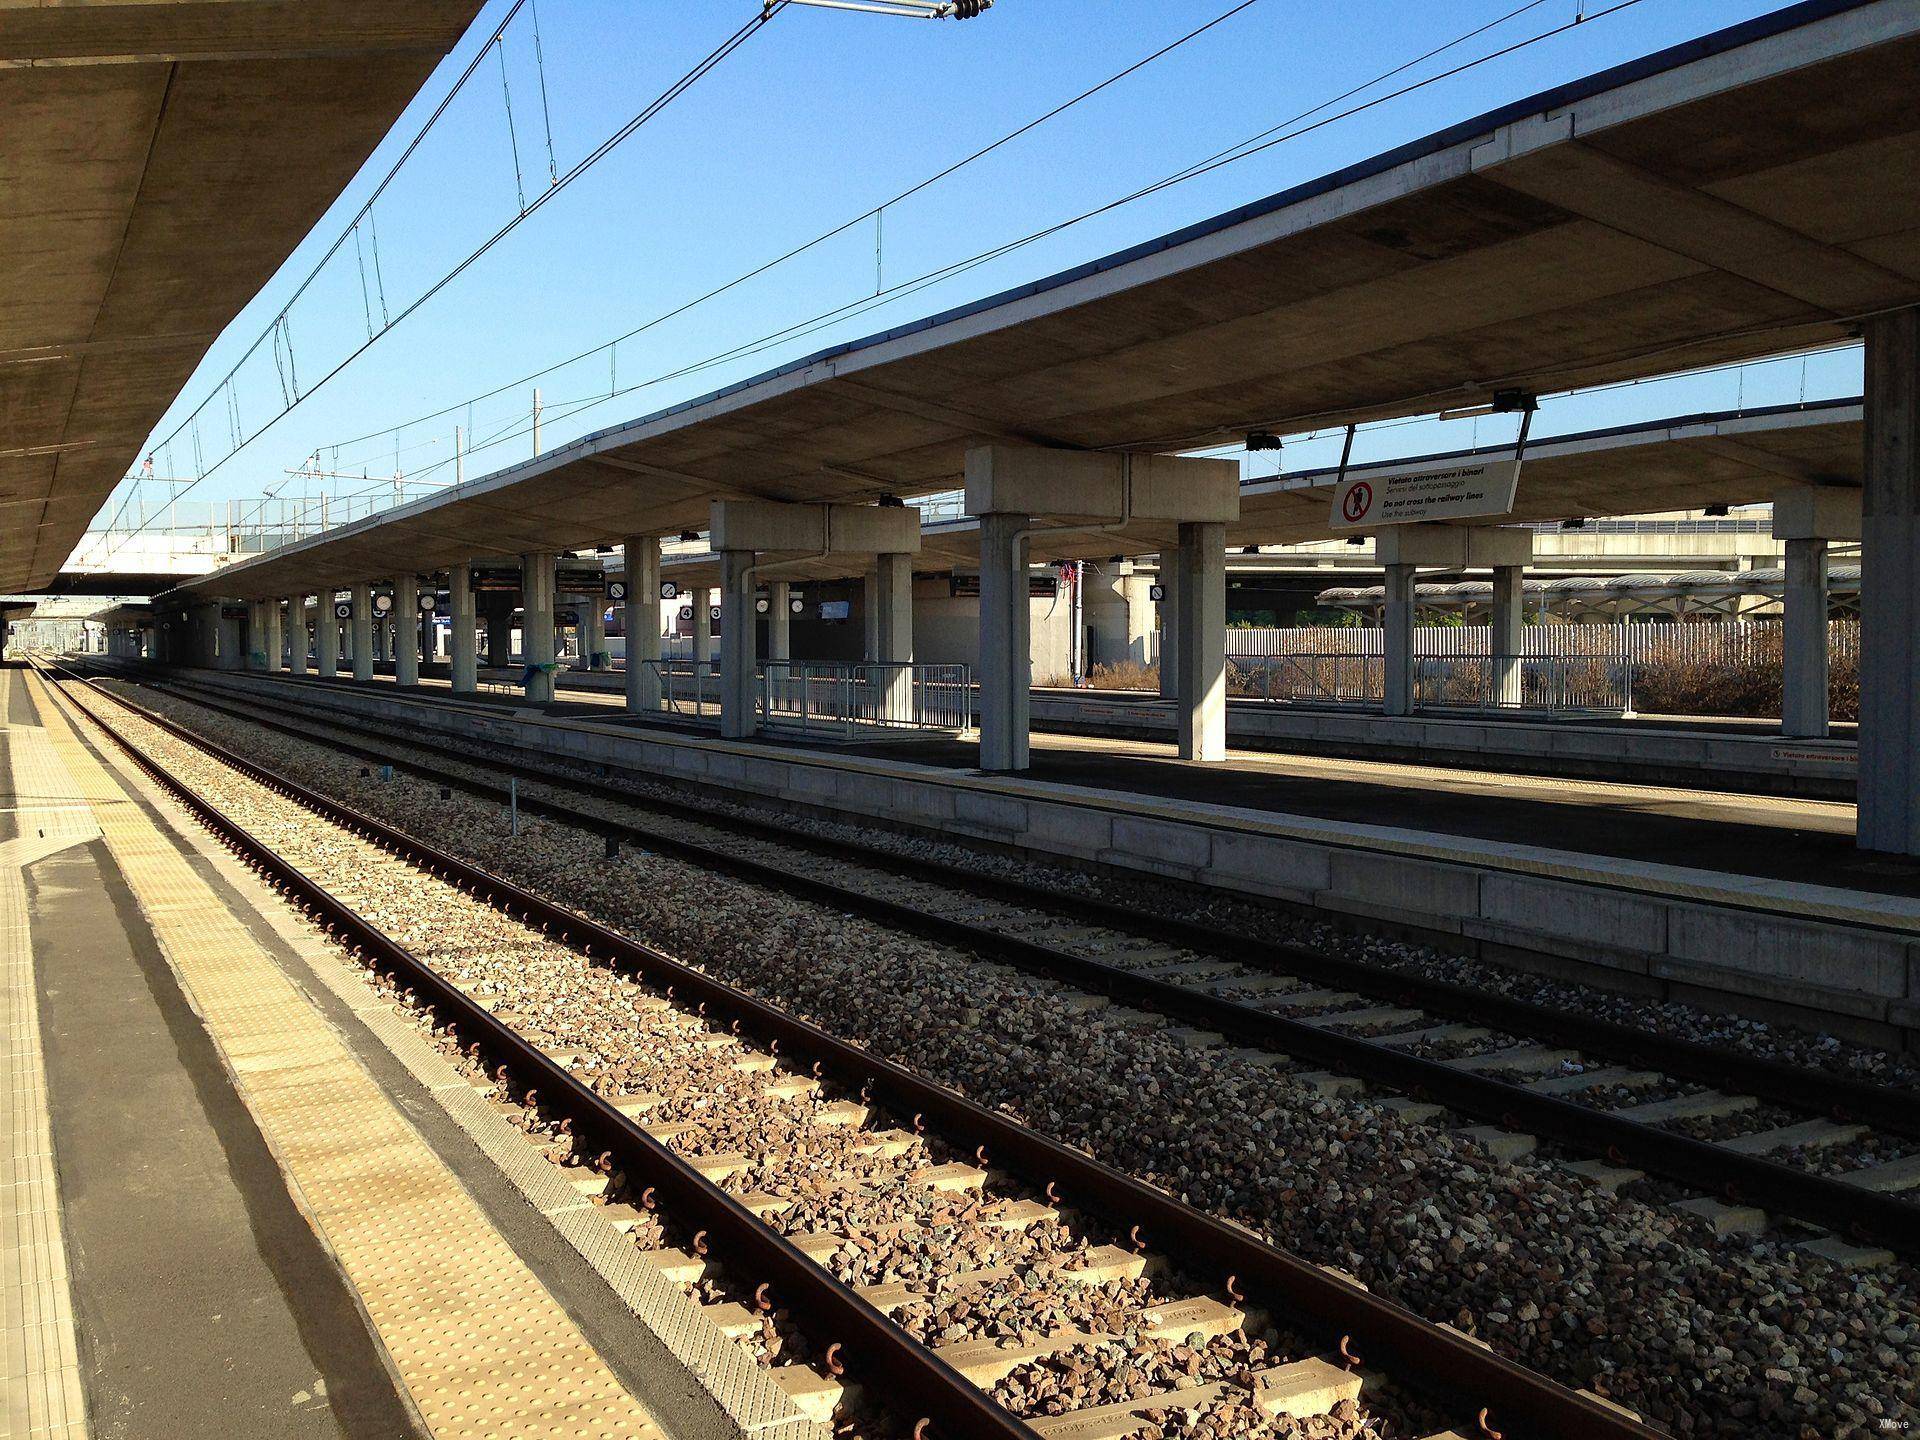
(817, 118)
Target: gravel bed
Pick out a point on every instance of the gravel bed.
(1867, 1151)
(1758, 1038)
(848, 1177)
(1707, 1338)
(1732, 1127)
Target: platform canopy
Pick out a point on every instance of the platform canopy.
(159, 159)
(1652, 468)
(1749, 193)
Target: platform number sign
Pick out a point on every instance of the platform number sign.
(669, 590)
(427, 603)
(343, 611)
(686, 614)
(616, 590)
(1156, 593)
(713, 612)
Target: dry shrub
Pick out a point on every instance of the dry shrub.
(1125, 675)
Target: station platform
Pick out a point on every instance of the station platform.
(1750, 902)
(1725, 753)
(230, 1208)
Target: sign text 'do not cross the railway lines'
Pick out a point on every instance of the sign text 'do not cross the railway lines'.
(1453, 492)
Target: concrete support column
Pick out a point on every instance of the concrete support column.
(593, 633)
(643, 622)
(780, 620)
(1136, 593)
(361, 640)
(892, 596)
(701, 600)
(1508, 633)
(500, 637)
(1203, 641)
(297, 634)
(1006, 656)
(536, 625)
(1398, 639)
(738, 661)
(462, 623)
(870, 605)
(256, 653)
(326, 626)
(1889, 784)
(270, 617)
(406, 629)
(1803, 691)
(1170, 625)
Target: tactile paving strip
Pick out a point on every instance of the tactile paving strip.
(41, 1397)
(482, 1347)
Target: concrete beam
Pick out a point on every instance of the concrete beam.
(1817, 512)
(1091, 486)
(1452, 547)
(773, 528)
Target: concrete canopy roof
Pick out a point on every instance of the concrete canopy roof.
(1748, 193)
(161, 158)
(1652, 468)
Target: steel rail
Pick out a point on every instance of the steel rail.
(1882, 1106)
(1862, 1215)
(1389, 1338)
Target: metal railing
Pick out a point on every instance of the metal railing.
(1592, 683)
(1327, 676)
(1596, 683)
(841, 697)
(687, 687)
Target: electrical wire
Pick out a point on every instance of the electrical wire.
(824, 236)
(599, 152)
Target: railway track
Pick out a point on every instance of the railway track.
(1736, 1140)
(974, 1276)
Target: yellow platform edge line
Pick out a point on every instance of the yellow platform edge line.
(481, 1346)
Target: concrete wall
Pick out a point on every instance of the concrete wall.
(1841, 959)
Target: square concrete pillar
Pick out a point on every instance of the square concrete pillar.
(739, 693)
(499, 620)
(779, 620)
(891, 593)
(870, 615)
(1803, 680)
(1006, 659)
(1889, 783)
(701, 600)
(1170, 625)
(1398, 639)
(297, 634)
(643, 622)
(1203, 641)
(406, 629)
(361, 644)
(1136, 593)
(593, 633)
(256, 644)
(1508, 634)
(270, 613)
(326, 634)
(536, 625)
(462, 626)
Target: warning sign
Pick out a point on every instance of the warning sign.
(1457, 492)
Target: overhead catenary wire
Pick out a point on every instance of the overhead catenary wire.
(1265, 140)
(872, 212)
(679, 87)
